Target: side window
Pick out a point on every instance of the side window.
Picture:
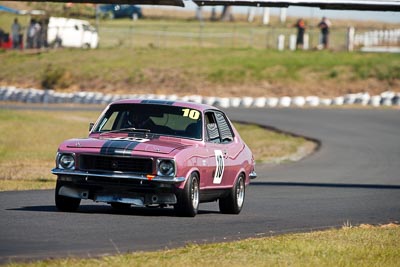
(224, 128)
(212, 128)
(108, 123)
(85, 27)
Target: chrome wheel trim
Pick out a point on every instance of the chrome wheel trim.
(240, 192)
(194, 193)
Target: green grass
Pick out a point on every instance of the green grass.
(361, 246)
(134, 60)
(159, 68)
(30, 139)
(269, 146)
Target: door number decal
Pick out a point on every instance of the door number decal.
(219, 158)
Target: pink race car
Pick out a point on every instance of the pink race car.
(156, 153)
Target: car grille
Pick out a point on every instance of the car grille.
(123, 164)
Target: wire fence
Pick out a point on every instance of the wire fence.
(202, 36)
(235, 37)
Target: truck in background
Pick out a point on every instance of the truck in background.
(119, 11)
(75, 33)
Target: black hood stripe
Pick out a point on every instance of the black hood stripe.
(122, 146)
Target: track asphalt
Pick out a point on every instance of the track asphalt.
(353, 178)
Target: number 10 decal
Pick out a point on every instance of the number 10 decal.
(191, 113)
(219, 158)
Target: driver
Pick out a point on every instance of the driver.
(138, 121)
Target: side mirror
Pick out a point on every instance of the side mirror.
(91, 126)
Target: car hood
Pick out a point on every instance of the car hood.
(126, 145)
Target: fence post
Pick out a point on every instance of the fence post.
(292, 42)
(306, 40)
(199, 13)
(266, 16)
(282, 15)
(281, 42)
(350, 39)
(251, 14)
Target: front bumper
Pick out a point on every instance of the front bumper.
(116, 175)
(132, 198)
(114, 187)
(253, 175)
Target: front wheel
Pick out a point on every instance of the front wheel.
(233, 203)
(189, 198)
(64, 203)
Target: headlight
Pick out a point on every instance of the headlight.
(66, 161)
(166, 167)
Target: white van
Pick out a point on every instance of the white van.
(72, 33)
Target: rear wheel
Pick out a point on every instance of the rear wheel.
(189, 198)
(64, 203)
(233, 203)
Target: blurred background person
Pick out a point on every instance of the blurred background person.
(324, 25)
(16, 34)
(30, 34)
(301, 28)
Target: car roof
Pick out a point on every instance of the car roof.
(192, 105)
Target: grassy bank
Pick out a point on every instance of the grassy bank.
(214, 71)
(30, 139)
(361, 246)
(183, 56)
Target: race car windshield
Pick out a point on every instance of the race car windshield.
(156, 119)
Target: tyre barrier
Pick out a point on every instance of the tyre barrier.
(31, 95)
(272, 102)
(285, 101)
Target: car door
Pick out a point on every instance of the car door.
(221, 149)
(72, 35)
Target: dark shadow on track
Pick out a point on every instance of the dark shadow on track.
(329, 185)
(104, 209)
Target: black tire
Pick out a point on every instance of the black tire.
(233, 202)
(189, 198)
(64, 203)
(120, 206)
